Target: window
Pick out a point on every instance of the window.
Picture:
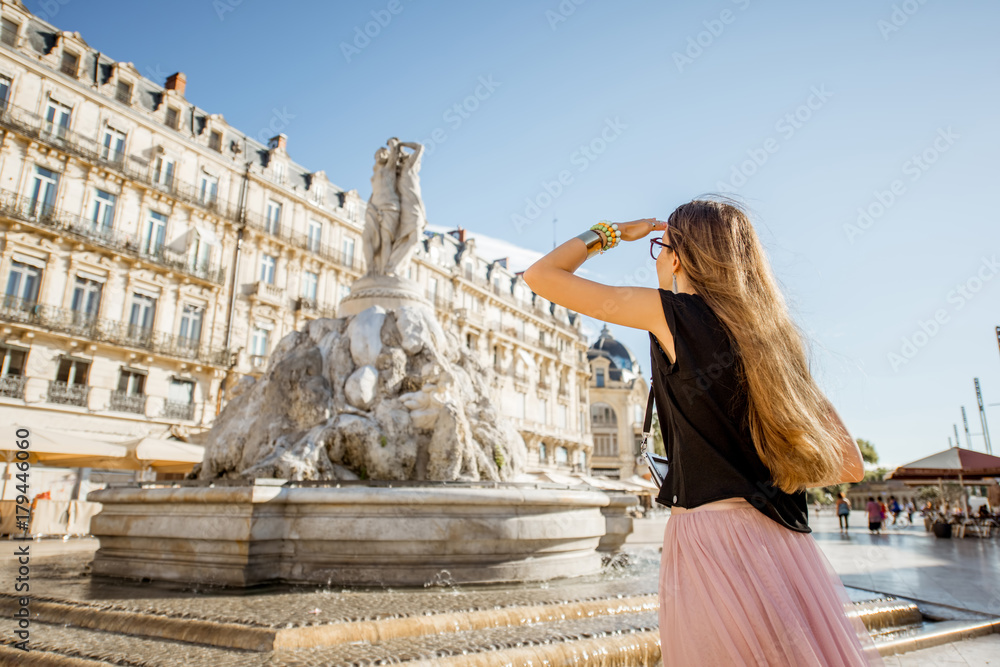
(5, 85)
(209, 189)
(43, 192)
(86, 302)
(22, 284)
(349, 252)
(181, 391)
(273, 222)
(8, 32)
(163, 171)
(543, 411)
(344, 291)
(173, 118)
(215, 141)
(605, 444)
(279, 172)
(180, 399)
(258, 346)
(310, 281)
(267, 263)
(103, 213)
(563, 414)
(562, 455)
(155, 233)
(542, 454)
(130, 396)
(191, 319)
(603, 415)
(69, 64)
(123, 92)
(72, 371)
(432, 288)
(12, 378)
(315, 235)
(200, 255)
(131, 382)
(57, 117)
(600, 377)
(113, 148)
(140, 320)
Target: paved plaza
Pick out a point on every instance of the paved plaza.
(905, 561)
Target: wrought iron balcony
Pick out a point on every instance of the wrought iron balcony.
(284, 232)
(12, 386)
(114, 332)
(178, 410)
(31, 125)
(67, 394)
(125, 402)
(25, 209)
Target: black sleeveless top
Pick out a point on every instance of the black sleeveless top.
(703, 411)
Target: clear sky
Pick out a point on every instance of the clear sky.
(810, 111)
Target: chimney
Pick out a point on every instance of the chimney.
(459, 234)
(178, 82)
(280, 141)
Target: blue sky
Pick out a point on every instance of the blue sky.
(809, 111)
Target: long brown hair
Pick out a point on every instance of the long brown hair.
(789, 416)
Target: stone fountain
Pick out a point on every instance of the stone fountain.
(368, 452)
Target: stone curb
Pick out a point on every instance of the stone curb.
(231, 635)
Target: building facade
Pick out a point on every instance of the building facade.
(618, 396)
(151, 254)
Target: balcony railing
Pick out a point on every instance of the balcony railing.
(114, 332)
(125, 402)
(22, 208)
(282, 231)
(178, 410)
(269, 293)
(12, 386)
(67, 394)
(34, 126)
(258, 361)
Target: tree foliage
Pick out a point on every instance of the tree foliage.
(868, 453)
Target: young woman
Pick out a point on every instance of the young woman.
(746, 431)
(843, 511)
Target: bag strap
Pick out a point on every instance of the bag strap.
(647, 422)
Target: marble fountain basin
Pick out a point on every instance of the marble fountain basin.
(354, 534)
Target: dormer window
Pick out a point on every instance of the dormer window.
(70, 62)
(8, 33)
(173, 118)
(215, 141)
(123, 92)
(279, 173)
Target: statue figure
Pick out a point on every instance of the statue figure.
(382, 214)
(395, 219)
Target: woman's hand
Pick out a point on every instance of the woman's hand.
(638, 229)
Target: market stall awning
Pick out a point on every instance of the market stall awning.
(952, 463)
(62, 449)
(157, 454)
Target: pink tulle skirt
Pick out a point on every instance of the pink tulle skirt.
(736, 588)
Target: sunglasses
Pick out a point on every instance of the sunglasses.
(655, 245)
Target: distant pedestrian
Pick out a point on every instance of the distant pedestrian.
(910, 510)
(875, 516)
(895, 508)
(843, 511)
(883, 509)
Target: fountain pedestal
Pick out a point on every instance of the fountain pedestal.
(353, 535)
(389, 292)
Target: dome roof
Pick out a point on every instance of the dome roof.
(606, 346)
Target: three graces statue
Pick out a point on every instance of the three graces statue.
(395, 218)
